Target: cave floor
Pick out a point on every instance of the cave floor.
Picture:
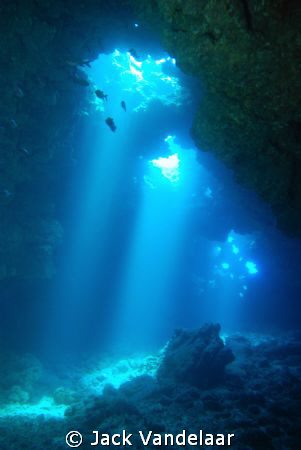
(259, 400)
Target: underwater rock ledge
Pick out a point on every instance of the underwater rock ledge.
(259, 400)
(196, 357)
(245, 54)
(43, 93)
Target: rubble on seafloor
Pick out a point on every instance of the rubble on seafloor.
(256, 399)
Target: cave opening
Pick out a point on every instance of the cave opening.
(142, 201)
(143, 280)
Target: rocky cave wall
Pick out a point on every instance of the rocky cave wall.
(44, 45)
(246, 54)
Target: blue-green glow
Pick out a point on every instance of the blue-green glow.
(169, 167)
(251, 266)
(146, 79)
(208, 192)
(235, 249)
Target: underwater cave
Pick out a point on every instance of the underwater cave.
(150, 198)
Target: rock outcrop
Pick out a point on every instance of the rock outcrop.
(245, 54)
(197, 357)
(44, 46)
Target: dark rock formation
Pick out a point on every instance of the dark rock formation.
(246, 54)
(259, 402)
(195, 357)
(43, 91)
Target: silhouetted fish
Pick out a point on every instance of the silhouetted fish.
(79, 63)
(81, 81)
(111, 124)
(13, 123)
(19, 92)
(101, 95)
(24, 150)
(123, 105)
(133, 53)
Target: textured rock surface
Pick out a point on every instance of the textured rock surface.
(246, 55)
(43, 46)
(195, 357)
(259, 402)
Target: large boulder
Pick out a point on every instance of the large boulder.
(196, 357)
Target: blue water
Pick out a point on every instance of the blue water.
(158, 236)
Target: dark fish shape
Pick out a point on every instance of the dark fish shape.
(19, 92)
(123, 105)
(25, 151)
(101, 95)
(133, 53)
(86, 63)
(111, 124)
(81, 81)
(79, 63)
(6, 193)
(13, 123)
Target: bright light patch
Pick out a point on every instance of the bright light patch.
(173, 61)
(226, 266)
(169, 166)
(134, 61)
(144, 77)
(230, 239)
(136, 72)
(45, 407)
(120, 372)
(235, 249)
(251, 266)
(136, 25)
(169, 138)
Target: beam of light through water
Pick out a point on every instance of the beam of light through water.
(121, 77)
(169, 166)
(138, 282)
(145, 295)
(231, 274)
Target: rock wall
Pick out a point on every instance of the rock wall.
(195, 357)
(246, 55)
(44, 45)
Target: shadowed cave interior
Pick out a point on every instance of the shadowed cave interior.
(150, 221)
